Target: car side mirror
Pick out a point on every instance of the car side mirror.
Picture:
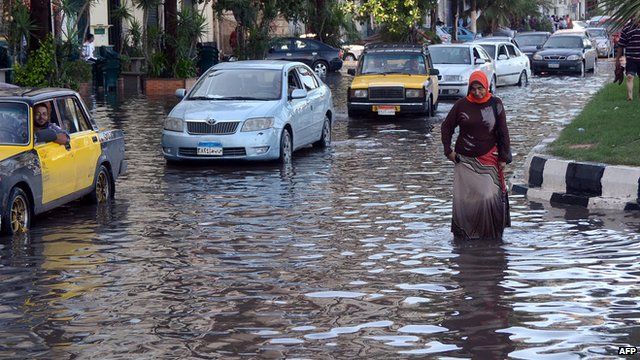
(298, 94)
(503, 57)
(351, 72)
(180, 93)
(480, 61)
(539, 47)
(46, 135)
(434, 72)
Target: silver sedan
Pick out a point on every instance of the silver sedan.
(251, 110)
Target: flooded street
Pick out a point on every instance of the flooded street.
(347, 254)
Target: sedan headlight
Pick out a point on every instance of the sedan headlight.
(452, 78)
(414, 93)
(360, 93)
(537, 57)
(574, 57)
(174, 124)
(255, 124)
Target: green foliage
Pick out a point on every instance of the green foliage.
(158, 65)
(133, 39)
(544, 25)
(396, 17)
(73, 73)
(327, 19)
(621, 11)
(191, 26)
(40, 68)
(507, 12)
(20, 27)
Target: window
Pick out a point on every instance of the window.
(292, 82)
(512, 51)
(72, 116)
(502, 51)
(305, 45)
(281, 45)
(14, 123)
(307, 79)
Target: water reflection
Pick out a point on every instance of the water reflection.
(480, 308)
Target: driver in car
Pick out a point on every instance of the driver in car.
(41, 115)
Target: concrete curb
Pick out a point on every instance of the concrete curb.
(591, 185)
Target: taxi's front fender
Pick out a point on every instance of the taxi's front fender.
(23, 168)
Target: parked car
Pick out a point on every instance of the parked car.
(504, 31)
(443, 34)
(321, 57)
(38, 174)
(393, 78)
(464, 34)
(352, 52)
(530, 42)
(566, 52)
(249, 110)
(604, 42)
(512, 66)
(498, 39)
(577, 24)
(456, 62)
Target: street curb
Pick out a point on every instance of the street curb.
(590, 185)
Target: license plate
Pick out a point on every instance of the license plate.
(209, 148)
(554, 66)
(385, 110)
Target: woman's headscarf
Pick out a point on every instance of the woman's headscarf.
(478, 77)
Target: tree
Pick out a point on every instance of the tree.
(397, 17)
(507, 12)
(328, 18)
(621, 11)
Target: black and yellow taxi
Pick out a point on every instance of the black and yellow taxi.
(393, 79)
(37, 172)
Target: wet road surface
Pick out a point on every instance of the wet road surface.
(345, 254)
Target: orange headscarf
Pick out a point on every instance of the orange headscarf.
(479, 77)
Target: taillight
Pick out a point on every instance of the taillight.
(340, 53)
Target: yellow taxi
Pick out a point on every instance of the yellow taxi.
(393, 79)
(37, 172)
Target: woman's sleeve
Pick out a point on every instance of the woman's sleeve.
(448, 127)
(504, 143)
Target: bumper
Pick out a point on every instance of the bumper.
(452, 90)
(604, 51)
(562, 65)
(401, 108)
(253, 145)
(335, 65)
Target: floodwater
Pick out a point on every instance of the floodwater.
(346, 254)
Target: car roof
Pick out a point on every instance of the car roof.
(569, 35)
(389, 47)
(533, 33)
(570, 31)
(255, 64)
(33, 95)
(496, 43)
(454, 45)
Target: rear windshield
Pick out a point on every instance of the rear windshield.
(597, 33)
(14, 123)
(450, 55)
(531, 40)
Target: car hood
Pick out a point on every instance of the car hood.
(408, 81)
(560, 52)
(454, 69)
(528, 49)
(9, 151)
(223, 110)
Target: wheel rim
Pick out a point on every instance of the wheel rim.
(326, 133)
(286, 147)
(19, 215)
(321, 69)
(102, 187)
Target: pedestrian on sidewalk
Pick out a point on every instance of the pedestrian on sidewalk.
(482, 149)
(630, 43)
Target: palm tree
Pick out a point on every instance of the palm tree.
(145, 6)
(621, 11)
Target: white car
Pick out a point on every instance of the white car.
(455, 63)
(249, 110)
(512, 66)
(352, 52)
(442, 33)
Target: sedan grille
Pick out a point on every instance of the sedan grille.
(220, 128)
(554, 57)
(386, 93)
(235, 151)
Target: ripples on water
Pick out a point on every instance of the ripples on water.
(346, 254)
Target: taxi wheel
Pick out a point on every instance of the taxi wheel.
(103, 187)
(325, 140)
(430, 112)
(17, 217)
(286, 148)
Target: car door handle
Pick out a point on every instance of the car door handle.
(311, 107)
(94, 138)
(314, 53)
(288, 54)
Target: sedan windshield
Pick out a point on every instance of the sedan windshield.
(450, 55)
(563, 42)
(14, 124)
(531, 40)
(239, 84)
(597, 33)
(394, 63)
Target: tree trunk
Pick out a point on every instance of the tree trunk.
(474, 14)
(454, 12)
(170, 26)
(41, 17)
(145, 42)
(434, 18)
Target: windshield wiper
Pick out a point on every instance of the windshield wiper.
(373, 73)
(238, 98)
(399, 72)
(200, 98)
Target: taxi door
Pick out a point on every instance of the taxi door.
(85, 144)
(58, 169)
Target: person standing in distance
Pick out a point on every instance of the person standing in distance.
(630, 43)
